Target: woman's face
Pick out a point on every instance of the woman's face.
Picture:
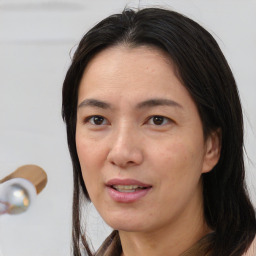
(140, 140)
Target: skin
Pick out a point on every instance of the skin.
(126, 142)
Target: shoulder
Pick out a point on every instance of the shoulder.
(252, 249)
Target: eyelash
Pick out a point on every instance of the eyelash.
(103, 121)
(90, 118)
(165, 120)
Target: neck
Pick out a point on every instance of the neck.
(173, 239)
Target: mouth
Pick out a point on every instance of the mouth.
(128, 188)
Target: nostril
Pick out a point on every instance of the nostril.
(122, 164)
(126, 156)
(130, 162)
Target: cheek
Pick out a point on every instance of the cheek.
(82, 152)
(86, 159)
(87, 155)
(88, 150)
(178, 176)
(179, 162)
(91, 155)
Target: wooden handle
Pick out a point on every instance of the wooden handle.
(35, 174)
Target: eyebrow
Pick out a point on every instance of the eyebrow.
(94, 103)
(144, 104)
(158, 102)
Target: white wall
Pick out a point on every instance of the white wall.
(35, 40)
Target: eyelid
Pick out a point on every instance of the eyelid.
(149, 120)
(166, 121)
(89, 118)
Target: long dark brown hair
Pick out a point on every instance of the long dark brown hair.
(205, 73)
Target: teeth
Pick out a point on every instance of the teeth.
(126, 188)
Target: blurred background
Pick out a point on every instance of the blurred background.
(37, 38)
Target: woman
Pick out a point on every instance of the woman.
(155, 133)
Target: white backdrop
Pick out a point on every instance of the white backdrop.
(35, 40)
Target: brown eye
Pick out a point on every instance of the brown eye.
(158, 120)
(97, 120)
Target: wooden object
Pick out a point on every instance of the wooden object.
(33, 173)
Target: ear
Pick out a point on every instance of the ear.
(212, 150)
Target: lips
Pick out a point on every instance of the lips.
(127, 190)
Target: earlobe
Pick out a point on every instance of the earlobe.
(212, 152)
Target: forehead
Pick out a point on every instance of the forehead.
(118, 52)
(127, 63)
(131, 73)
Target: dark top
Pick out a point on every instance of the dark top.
(112, 246)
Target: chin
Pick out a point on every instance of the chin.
(127, 228)
(126, 224)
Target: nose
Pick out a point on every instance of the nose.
(126, 149)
